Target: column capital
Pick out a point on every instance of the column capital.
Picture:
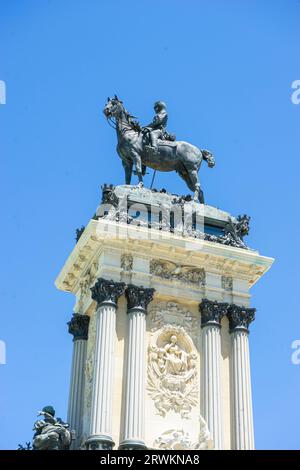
(240, 318)
(138, 297)
(212, 312)
(107, 291)
(78, 326)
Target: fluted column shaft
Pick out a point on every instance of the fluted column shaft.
(211, 315)
(106, 293)
(242, 416)
(133, 432)
(78, 327)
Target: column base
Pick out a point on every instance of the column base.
(101, 442)
(131, 444)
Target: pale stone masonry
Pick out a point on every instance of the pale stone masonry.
(164, 362)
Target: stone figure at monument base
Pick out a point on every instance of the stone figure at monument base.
(51, 433)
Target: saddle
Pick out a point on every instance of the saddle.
(167, 139)
(152, 152)
(168, 143)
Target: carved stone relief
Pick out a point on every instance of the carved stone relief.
(162, 313)
(172, 371)
(89, 369)
(126, 262)
(178, 439)
(86, 282)
(172, 271)
(227, 283)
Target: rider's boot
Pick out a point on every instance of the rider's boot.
(154, 144)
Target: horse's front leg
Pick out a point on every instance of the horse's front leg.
(128, 171)
(138, 167)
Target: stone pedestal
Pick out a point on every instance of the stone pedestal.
(165, 374)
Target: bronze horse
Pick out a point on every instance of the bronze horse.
(182, 157)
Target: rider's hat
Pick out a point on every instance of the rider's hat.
(160, 104)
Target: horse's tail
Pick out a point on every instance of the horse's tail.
(209, 158)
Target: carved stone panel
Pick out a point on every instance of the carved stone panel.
(162, 313)
(179, 439)
(89, 372)
(227, 283)
(126, 262)
(172, 371)
(86, 283)
(172, 271)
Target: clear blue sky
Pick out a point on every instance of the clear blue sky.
(225, 69)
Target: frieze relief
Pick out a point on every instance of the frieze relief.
(227, 283)
(178, 439)
(177, 272)
(162, 313)
(126, 262)
(172, 371)
(86, 282)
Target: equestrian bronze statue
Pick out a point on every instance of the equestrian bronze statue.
(152, 146)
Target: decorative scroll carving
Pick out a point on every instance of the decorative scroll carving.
(172, 371)
(234, 232)
(172, 271)
(108, 195)
(240, 317)
(172, 313)
(79, 232)
(79, 326)
(126, 262)
(107, 291)
(227, 283)
(88, 279)
(212, 312)
(178, 439)
(138, 297)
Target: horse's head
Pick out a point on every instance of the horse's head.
(114, 108)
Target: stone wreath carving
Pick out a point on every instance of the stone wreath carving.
(178, 439)
(172, 271)
(162, 313)
(172, 373)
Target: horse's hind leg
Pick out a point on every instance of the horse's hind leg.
(128, 171)
(195, 186)
(192, 180)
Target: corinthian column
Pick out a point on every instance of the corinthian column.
(134, 415)
(106, 293)
(242, 419)
(211, 315)
(78, 327)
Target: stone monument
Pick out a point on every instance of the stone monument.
(162, 312)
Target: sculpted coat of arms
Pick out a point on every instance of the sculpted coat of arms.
(172, 371)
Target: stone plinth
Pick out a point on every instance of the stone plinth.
(172, 365)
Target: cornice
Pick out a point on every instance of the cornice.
(215, 258)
